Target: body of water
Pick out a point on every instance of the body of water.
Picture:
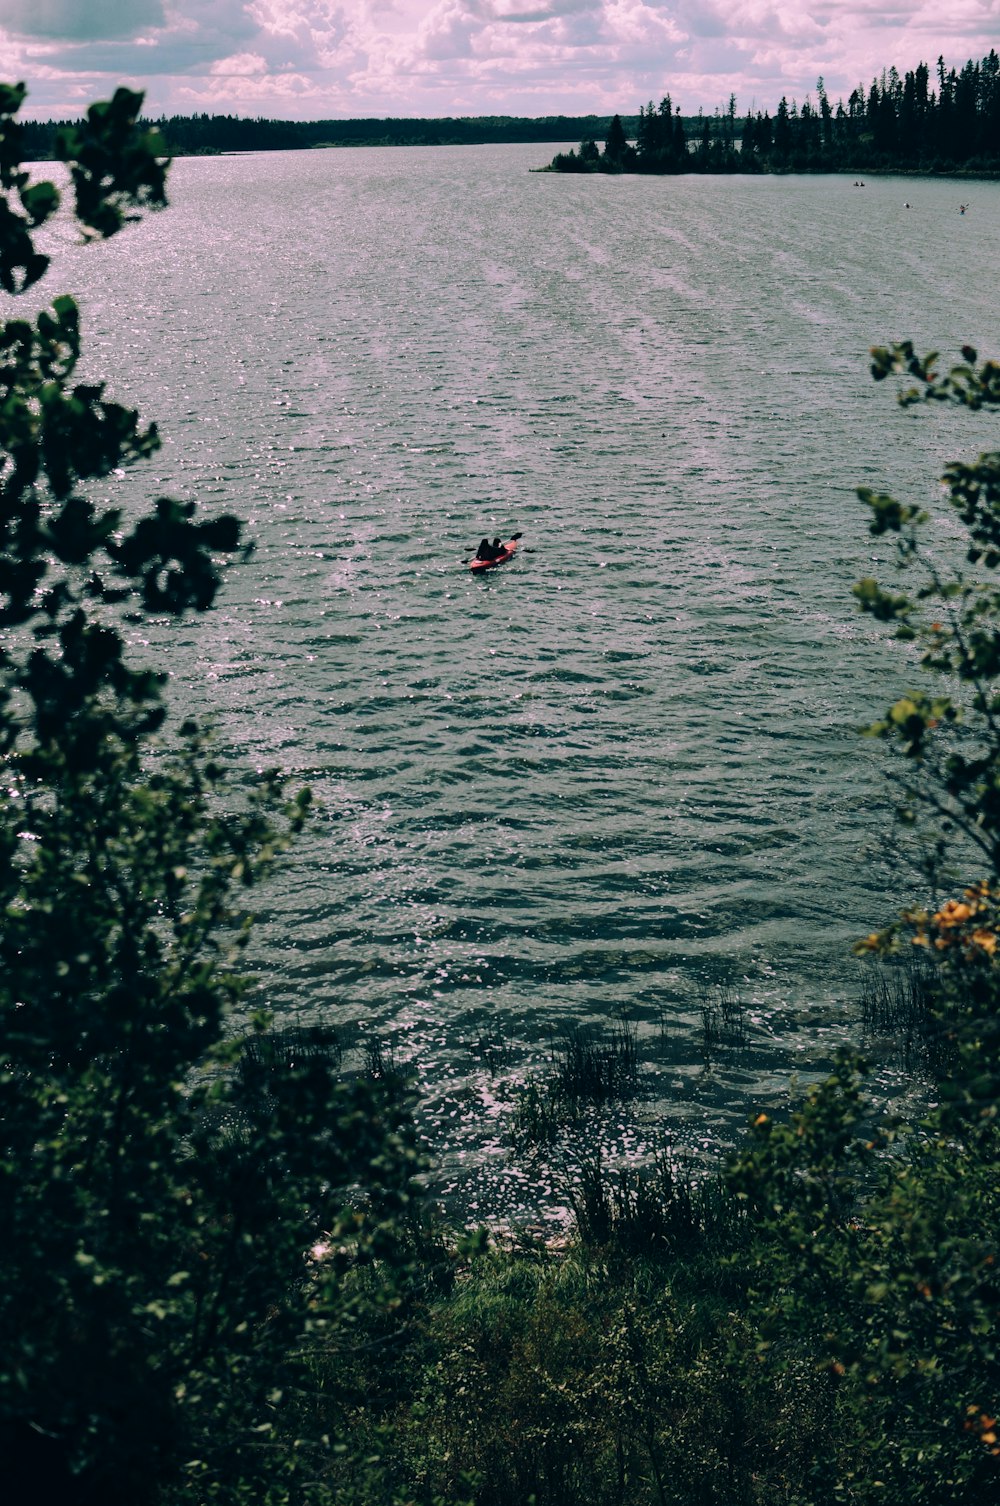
(620, 774)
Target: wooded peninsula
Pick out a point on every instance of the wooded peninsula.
(896, 125)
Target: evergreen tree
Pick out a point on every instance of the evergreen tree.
(826, 115)
(731, 123)
(990, 107)
(616, 145)
(748, 140)
(645, 142)
(680, 147)
(884, 136)
(810, 139)
(782, 131)
(966, 110)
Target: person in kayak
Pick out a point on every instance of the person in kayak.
(488, 551)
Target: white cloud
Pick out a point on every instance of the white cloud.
(427, 57)
(448, 31)
(240, 65)
(280, 95)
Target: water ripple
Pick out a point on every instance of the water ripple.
(622, 770)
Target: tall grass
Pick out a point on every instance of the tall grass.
(592, 1068)
(723, 1020)
(587, 1069)
(666, 1207)
(898, 1002)
(267, 1057)
(493, 1049)
(381, 1066)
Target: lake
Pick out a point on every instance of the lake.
(619, 777)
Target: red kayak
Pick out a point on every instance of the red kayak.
(501, 559)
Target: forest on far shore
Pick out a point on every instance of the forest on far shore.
(214, 135)
(945, 121)
(919, 123)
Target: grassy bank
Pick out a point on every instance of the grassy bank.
(686, 1355)
(813, 1323)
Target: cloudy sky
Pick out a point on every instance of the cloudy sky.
(315, 59)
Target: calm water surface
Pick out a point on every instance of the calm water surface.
(620, 774)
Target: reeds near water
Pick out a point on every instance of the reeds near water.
(587, 1069)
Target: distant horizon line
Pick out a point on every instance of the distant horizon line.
(363, 119)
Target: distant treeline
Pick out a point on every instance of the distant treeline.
(206, 135)
(946, 122)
